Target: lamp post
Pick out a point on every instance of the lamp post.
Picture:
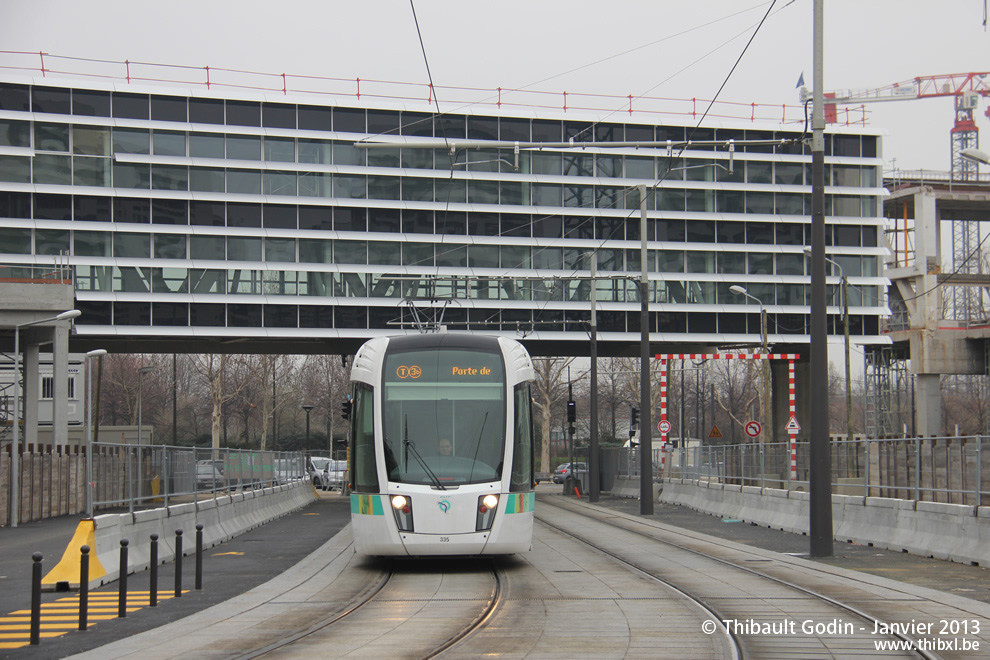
(844, 282)
(307, 407)
(766, 349)
(90, 485)
(15, 459)
(141, 372)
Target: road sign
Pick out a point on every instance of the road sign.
(664, 427)
(753, 428)
(792, 424)
(715, 432)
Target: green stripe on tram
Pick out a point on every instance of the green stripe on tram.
(370, 505)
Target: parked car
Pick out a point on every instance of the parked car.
(288, 469)
(208, 475)
(563, 471)
(333, 475)
(317, 465)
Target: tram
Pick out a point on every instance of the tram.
(442, 446)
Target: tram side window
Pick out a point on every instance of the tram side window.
(364, 470)
(522, 441)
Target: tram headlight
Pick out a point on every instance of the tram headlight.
(402, 509)
(487, 505)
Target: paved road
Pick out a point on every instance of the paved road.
(229, 569)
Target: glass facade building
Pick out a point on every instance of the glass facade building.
(218, 217)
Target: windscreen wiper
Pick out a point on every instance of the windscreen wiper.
(419, 459)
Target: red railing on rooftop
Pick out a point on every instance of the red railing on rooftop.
(452, 97)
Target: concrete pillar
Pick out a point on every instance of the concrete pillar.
(29, 395)
(928, 403)
(60, 386)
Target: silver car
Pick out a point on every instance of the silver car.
(333, 475)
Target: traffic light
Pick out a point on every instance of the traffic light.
(345, 408)
(634, 413)
(571, 412)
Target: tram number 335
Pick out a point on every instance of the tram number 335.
(445, 539)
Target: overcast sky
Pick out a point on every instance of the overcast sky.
(514, 43)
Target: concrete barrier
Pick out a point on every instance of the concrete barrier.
(630, 487)
(953, 532)
(222, 519)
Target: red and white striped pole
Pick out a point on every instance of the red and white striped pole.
(663, 418)
(793, 411)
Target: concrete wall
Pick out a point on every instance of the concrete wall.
(222, 519)
(955, 532)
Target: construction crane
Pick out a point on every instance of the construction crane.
(966, 88)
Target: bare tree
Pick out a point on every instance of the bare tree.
(224, 375)
(550, 389)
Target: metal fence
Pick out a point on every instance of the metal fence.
(136, 476)
(951, 469)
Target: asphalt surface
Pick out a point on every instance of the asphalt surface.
(229, 569)
(240, 564)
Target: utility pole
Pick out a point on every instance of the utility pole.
(593, 457)
(646, 423)
(820, 478)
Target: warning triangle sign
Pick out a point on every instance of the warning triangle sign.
(715, 432)
(792, 424)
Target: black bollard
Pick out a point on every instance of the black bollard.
(178, 563)
(36, 599)
(122, 581)
(199, 556)
(154, 571)
(83, 587)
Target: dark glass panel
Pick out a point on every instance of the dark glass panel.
(384, 220)
(789, 324)
(211, 315)
(53, 207)
(545, 130)
(15, 205)
(579, 131)
(731, 232)
(578, 227)
(484, 224)
(759, 232)
(450, 126)
(514, 129)
(789, 233)
(14, 97)
(383, 121)
(379, 317)
(94, 312)
(92, 209)
(451, 222)
(699, 231)
(281, 316)
(417, 123)
(611, 229)
(346, 218)
(315, 316)
(206, 111)
(130, 106)
(314, 118)
(279, 216)
(732, 323)
(869, 236)
(869, 143)
(846, 145)
(672, 322)
(166, 313)
(515, 225)
(548, 227)
(350, 317)
(670, 230)
(612, 321)
(131, 209)
(210, 214)
(701, 322)
(170, 211)
(637, 133)
(847, 235)
(131, 313)
(244, 315)
(243, 113)
(348, 120)
(315, 217)
(417, 222)
(609, 132)
(672, 133)
(278, 115)
(51, 99)
(168, 108)
(90, 104)
(243, 215)
(482, 128)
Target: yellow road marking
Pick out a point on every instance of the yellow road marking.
(311, 514)
(49, 626)
(27, 619)
(20, 635)
(13, 645)
(224, 554)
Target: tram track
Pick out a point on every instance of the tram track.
(739, 643)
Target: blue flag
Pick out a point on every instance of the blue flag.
(800, 81)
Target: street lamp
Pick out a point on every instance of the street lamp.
(15, 462)
(735, 288)
(845, 331)
(90, 485)
(307, 407)
(976, 155)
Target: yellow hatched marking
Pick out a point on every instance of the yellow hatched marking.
(27, 619)
(45, 616)
(28, 635)
(44, 626)
(13, 645)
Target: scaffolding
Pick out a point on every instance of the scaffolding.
(887, 382)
